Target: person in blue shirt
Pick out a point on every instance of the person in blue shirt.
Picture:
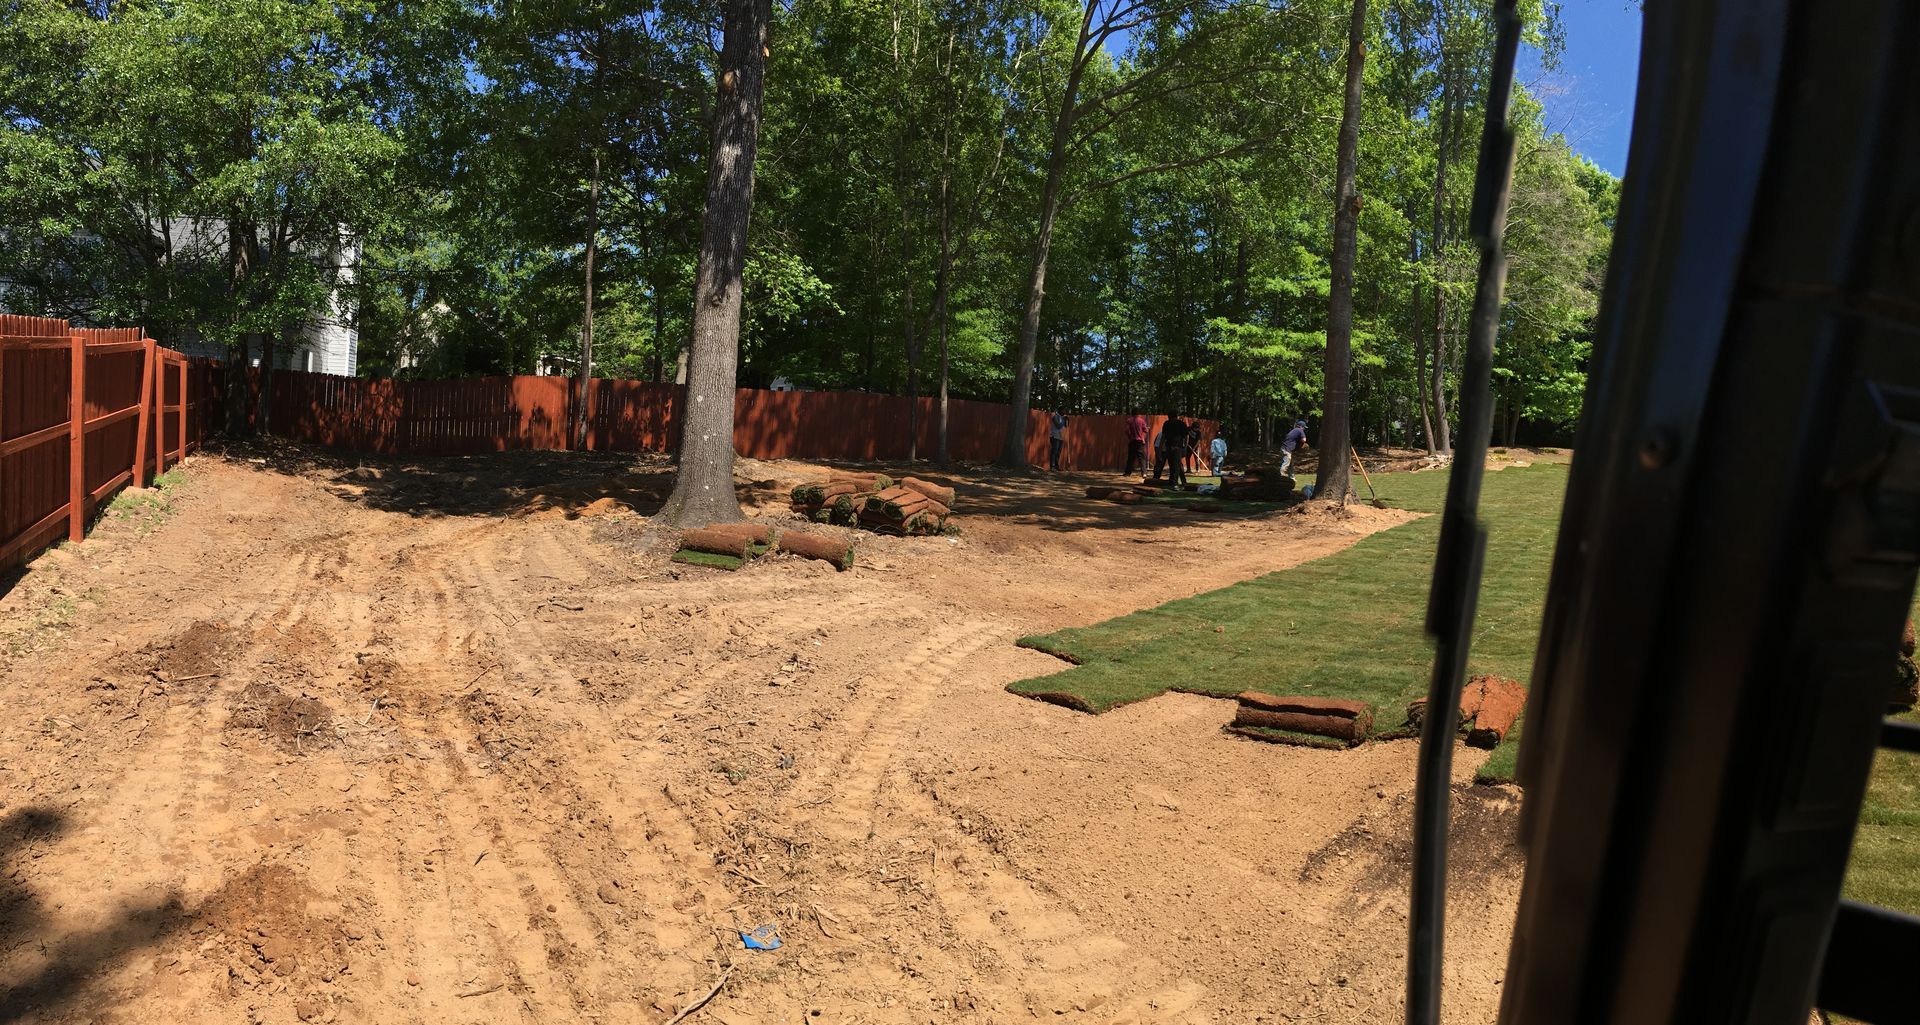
(1219, 451)
(1296, 440)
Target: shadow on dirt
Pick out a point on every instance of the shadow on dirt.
(586, 484)
(70, 961)
(509, 484)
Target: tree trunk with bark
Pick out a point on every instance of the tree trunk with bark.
(1442, 434)
(583, 401)
(703, 486)
(1335, 442)
(239, 262)
(907, 323)
(942, 288)
(1014, 456)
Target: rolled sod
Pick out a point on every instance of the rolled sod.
(926, 523)
(818, 492)
(1501, 701)
(934, 491)
(865, 481)
(717, 542)
(708, 559)
(1126, 498)
(1489, 706)
(813, 546)
(1344, 707)
(1338, 727)
(1261, 733)
(1101, 492)
(756, 533)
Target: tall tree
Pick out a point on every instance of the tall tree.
(703, 487)
(1332, 480)
(1170, 36)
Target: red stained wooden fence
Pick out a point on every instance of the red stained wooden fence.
(83, 412)
(493, 414)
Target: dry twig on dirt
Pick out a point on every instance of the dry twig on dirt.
(702, 1002)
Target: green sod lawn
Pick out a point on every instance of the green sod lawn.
(1346, 626)
(1885, 868)
(1349, 625)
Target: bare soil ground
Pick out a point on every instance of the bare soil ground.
(453, 742)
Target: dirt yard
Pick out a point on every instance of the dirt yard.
(454, 742)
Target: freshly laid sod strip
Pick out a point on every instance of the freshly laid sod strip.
(709, 559)
(1885, 869)
(1347, 626)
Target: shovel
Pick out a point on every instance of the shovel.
(1377, 504)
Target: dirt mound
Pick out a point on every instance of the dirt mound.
(270, 943)
(1482, 844)
(200, 648)
(297, 724)
(1354, 517)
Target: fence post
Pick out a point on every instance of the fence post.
(146, 409)
(158, 381)
(183, 410)
(77, 442)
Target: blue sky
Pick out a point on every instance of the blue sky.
(1589, 99)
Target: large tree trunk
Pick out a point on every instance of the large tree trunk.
(1014, 456)
(1442, 435)
(239, 257)
(1332, 479)
(703, 486)
(583, 409)
(942, 288)
(907, 325)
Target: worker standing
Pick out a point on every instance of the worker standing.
(1136, 444)
(1219, 452)
(1173, 436)
(1296, 440)
(1056, 440)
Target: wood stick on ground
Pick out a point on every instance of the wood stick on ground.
(702, 1002)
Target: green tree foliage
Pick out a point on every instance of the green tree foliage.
(208, 167)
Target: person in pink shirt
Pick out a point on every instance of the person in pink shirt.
(1136, 444)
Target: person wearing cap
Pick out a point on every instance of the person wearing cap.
(1218, 449)
(1296, 439)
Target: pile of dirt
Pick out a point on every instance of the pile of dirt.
(198, 650)
(295, 724)
(1482, 844)
(260, 927)
(1353, 517)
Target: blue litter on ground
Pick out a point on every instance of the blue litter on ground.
(767, 937)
